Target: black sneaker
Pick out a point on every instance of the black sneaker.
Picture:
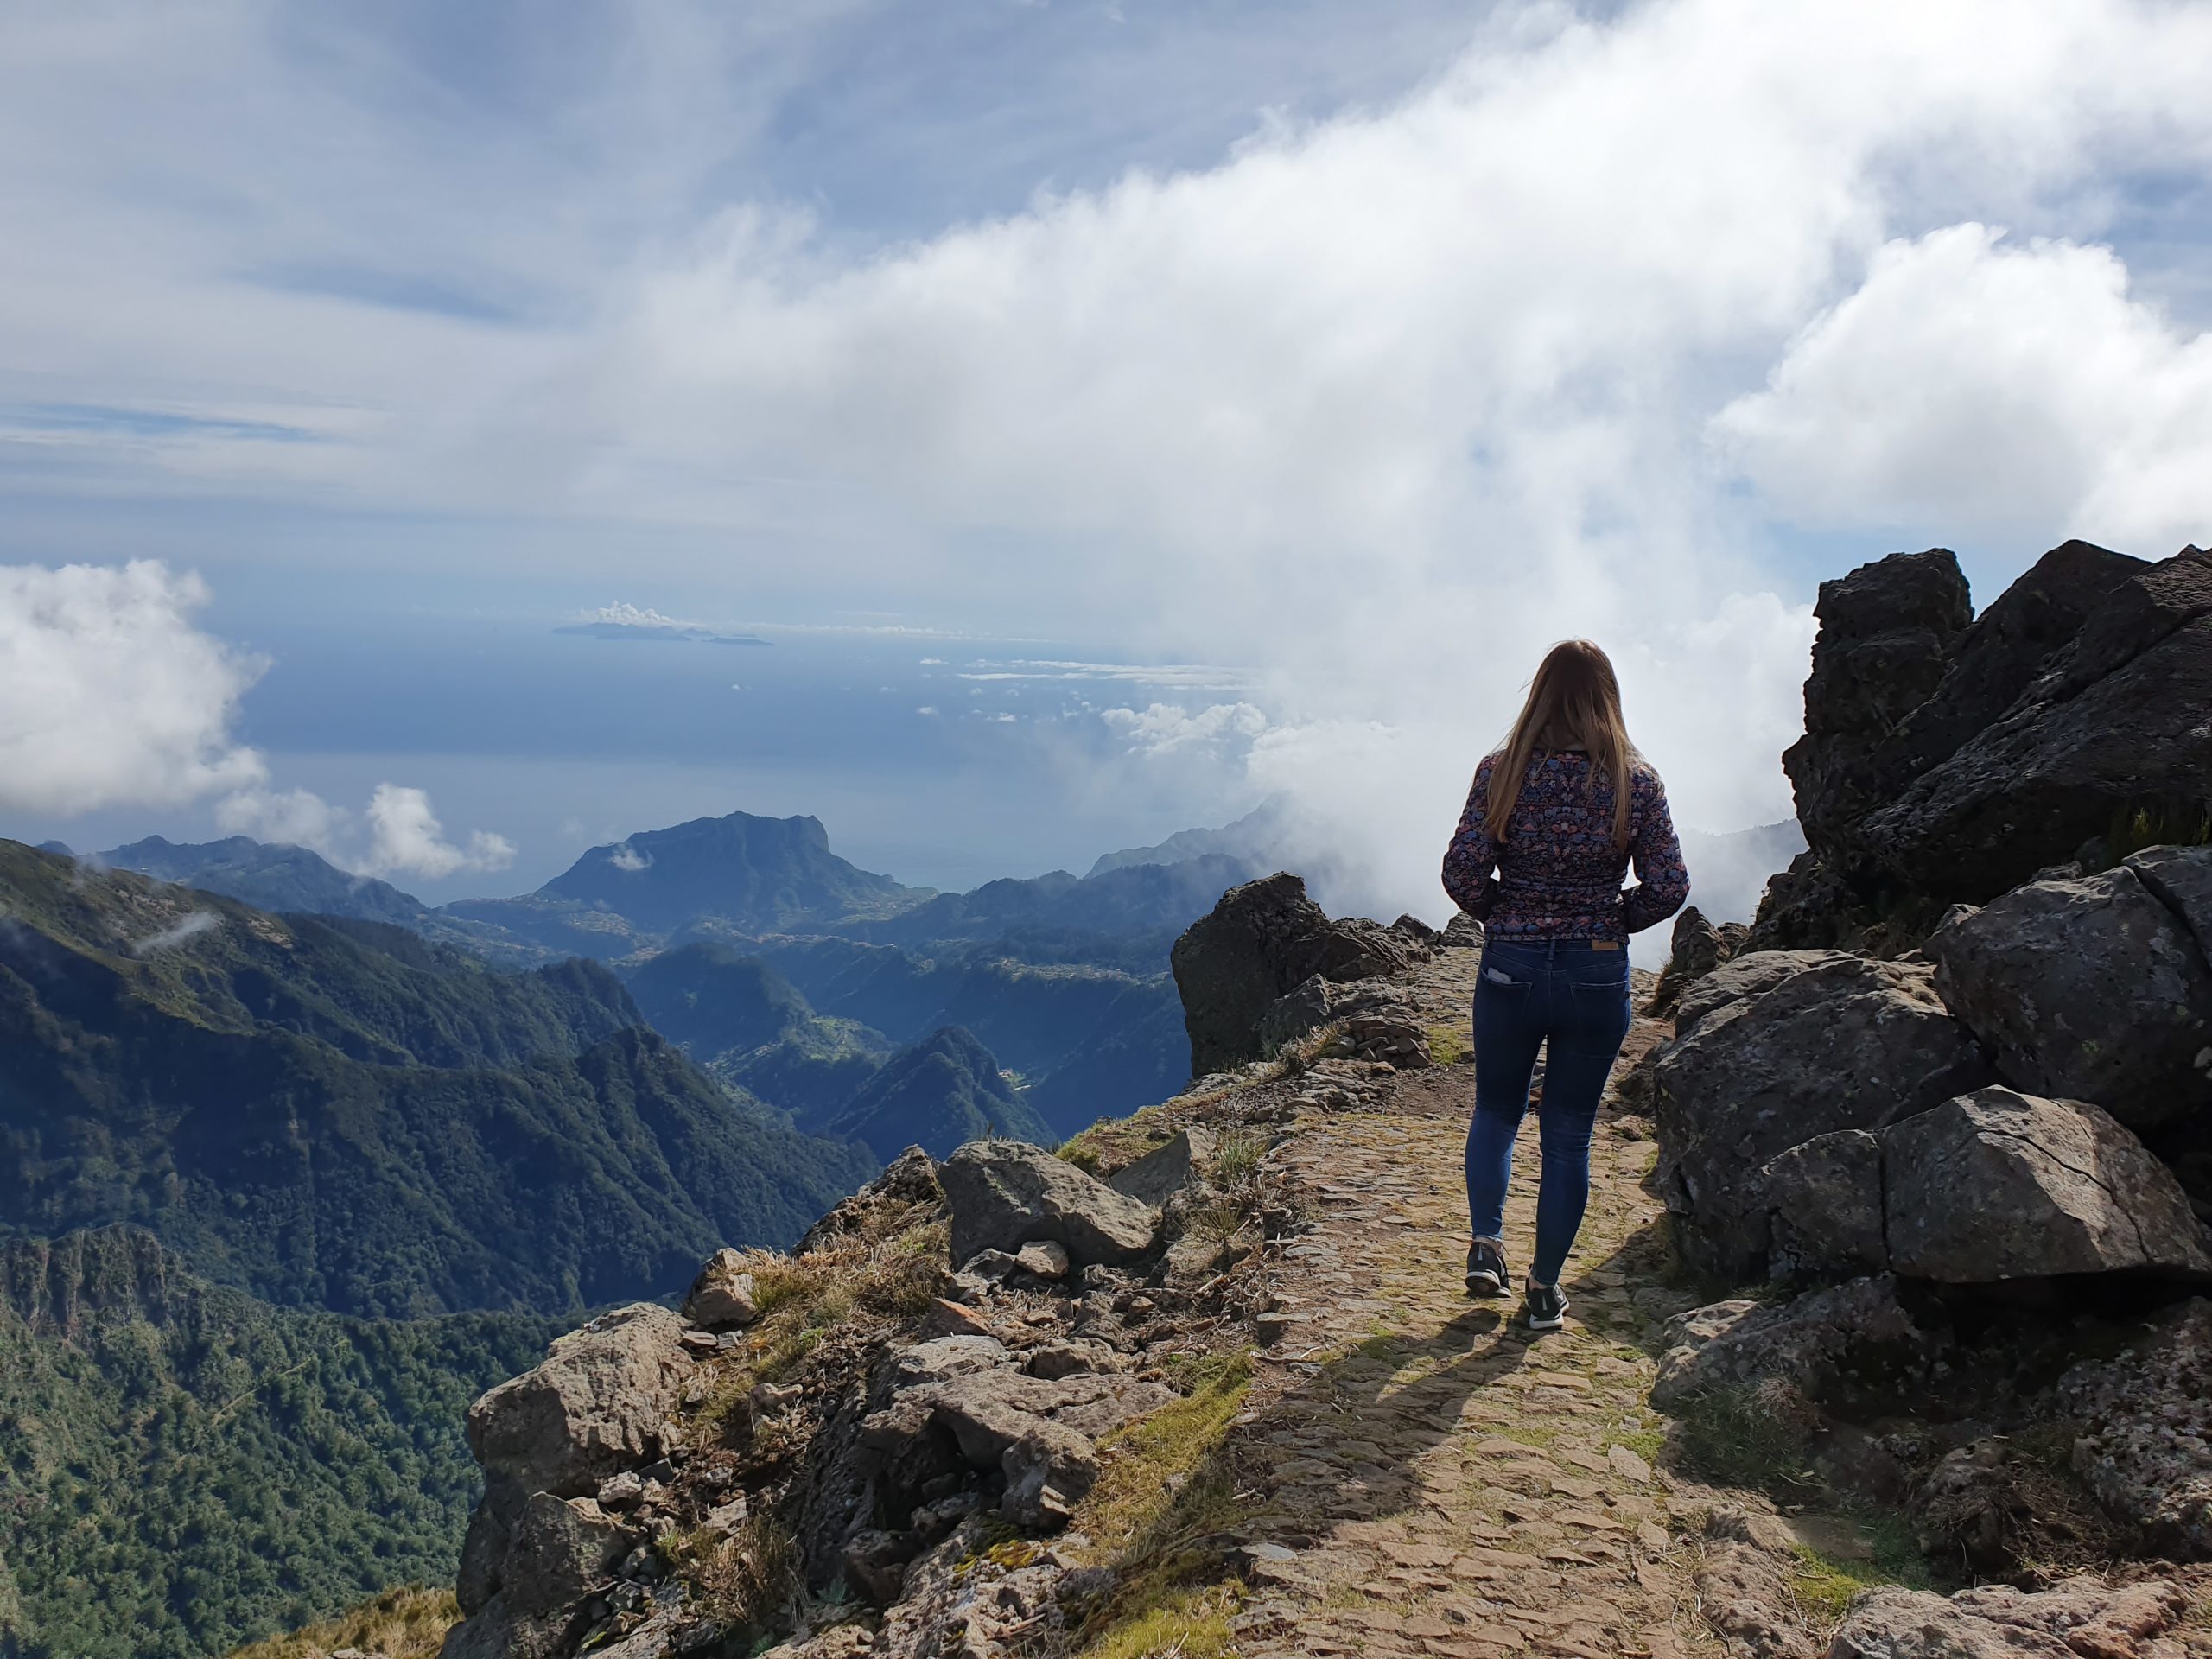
(1545, 1306)
(1487, 1273)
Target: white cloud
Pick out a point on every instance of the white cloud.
(406, 838)
(186, 928)
(2007, 389)
(109, 694)
(1164, 728)
(1384, 405)
(621, 615)
(297, 817)
(626, 857)
(397, 834)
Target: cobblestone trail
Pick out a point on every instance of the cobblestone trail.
(1438, 1481)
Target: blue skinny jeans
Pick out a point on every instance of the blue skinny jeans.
(1572, 1001)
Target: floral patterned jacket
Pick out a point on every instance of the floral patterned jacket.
(1558, 874)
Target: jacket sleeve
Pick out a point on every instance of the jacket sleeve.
(1471, 856)
(1662, 879)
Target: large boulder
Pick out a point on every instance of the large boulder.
(598, 1404)
(1999, 1185)
(723, 1293)
(1886, 633)
(564, 1549)
(2146, 1448)
(1168, 1169)
(2180, 878)
(2087, 986)
(1818, 1210)
(1003, 1194)
(2114, 725)
(2080, 1618)
(1994, 1186)
(1262, 940)
(1840, 1043)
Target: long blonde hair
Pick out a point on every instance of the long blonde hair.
(1575, 698)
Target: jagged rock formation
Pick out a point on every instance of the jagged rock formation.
(1696, 948)
(1963, 1156)
(1888, 630)
(1946, 763)
(1264, 942)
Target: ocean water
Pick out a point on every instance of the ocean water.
(945, 762)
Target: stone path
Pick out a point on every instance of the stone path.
(1436, 1480)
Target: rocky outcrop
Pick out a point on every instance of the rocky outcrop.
(2068, 710)
(1261, 942)
(1832, 1043)
(2113, 723)
(1887, 631)
(1698, 948)
(597, 1406)
(1039, 1433)
(1004, 1194)
(2089, 987)
(723, 1293)
(1990, 1188)
(2081, 1618)
(1167, 1168)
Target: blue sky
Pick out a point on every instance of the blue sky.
(1348, 354)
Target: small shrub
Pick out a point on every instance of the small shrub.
(1237, 1156)
(1082, 1155)
(778, 1280)
(749, 1577)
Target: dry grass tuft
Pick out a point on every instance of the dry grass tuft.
(404, 1624)
(749, 1577)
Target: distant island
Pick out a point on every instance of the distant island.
(660, 631)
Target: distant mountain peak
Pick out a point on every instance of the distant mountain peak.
(269, 875)
(761, 872)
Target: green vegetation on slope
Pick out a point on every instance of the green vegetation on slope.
(937, 1095)
(183, 1467)
(341, 1115)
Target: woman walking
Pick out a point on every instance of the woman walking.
(1554, 820)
